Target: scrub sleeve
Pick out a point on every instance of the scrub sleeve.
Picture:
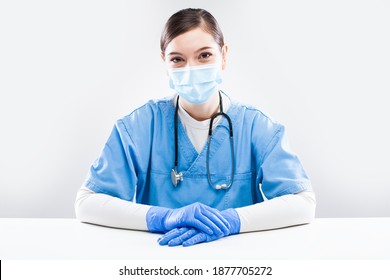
(113, 172)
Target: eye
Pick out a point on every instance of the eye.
(176, 59)
(205, 55)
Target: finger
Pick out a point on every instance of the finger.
(218, 214)
(163, 240)
(203, 224)
(214, 220)
(219, 220)
(203, 221)
(196, 239)
(215, 215)
(182, 238)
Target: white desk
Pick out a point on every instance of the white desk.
(355, 238)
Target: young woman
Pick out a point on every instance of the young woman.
(196, 166)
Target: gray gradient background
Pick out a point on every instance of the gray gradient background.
(69, 69)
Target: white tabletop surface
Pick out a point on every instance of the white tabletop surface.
(339, 238)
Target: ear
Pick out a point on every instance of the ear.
(163, 59)
(225, 50)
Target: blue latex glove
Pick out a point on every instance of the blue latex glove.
(185, 236)
(196, 215)
(190, 236)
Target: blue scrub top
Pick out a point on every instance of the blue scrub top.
(137, 159)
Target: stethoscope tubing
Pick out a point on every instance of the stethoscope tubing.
(177, 177)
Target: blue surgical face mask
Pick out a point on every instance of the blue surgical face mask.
(196, 84)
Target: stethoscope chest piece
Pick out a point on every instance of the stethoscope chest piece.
(176, 177)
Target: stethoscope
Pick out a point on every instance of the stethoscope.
(177, 177)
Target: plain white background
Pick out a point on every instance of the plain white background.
(70, 69)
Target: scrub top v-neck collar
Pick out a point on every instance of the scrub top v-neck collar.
(190, 162)
(197, 131)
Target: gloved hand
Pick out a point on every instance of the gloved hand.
(190, 236)
(196, 215)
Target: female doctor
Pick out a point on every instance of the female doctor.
(196, 166)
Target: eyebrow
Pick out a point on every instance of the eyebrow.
(199, 50)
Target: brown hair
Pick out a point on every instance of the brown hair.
(186, 20)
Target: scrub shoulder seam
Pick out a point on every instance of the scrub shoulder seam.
(259, 111)
(150, 103)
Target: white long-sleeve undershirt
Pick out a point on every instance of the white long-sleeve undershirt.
(283, 211)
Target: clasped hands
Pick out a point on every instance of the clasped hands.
(192, 224)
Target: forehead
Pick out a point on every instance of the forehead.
(191, 41)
